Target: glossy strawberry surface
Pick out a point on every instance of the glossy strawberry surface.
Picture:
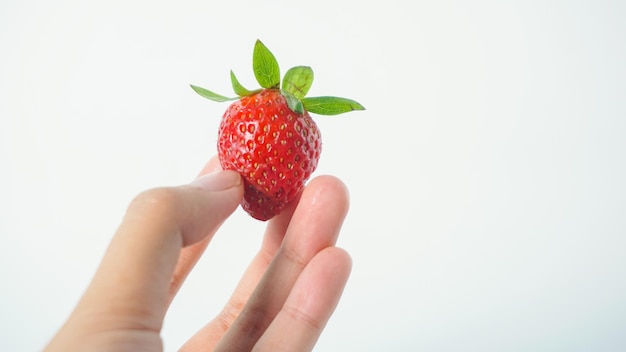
(274, 149)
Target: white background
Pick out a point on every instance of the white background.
(486, 176)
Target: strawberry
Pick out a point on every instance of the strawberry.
(268, 136)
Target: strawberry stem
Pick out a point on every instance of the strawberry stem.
(298, 81)
(330, 105)
(293, 102)
(238, 88)
(210, 95)
(296, 85)
(265, 67)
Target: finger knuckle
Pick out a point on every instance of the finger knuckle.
(298, 315)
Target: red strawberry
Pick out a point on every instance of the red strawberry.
(274, 148)
(268, 136)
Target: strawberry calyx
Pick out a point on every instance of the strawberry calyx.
(295, 85)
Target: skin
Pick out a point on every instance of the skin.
(281, 303)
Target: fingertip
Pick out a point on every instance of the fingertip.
(321, 284)
(324, 188)
(212, 165)
(336, 262)
(342, 257)
(328, 187)
(218, 181)
(330, 181)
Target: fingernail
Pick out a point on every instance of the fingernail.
(218, 181)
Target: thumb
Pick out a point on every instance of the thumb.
(131, 286)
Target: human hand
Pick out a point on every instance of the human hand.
(282, 302)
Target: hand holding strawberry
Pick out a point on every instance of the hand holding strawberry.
(267, 135)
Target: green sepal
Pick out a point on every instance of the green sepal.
(293, 102)
(238, 88)
(298, 81)
(265, 67)
(330, 105)
(210, 95)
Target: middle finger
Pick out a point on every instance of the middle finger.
(314, 226)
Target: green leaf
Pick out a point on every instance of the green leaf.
(265, 66)
(298, 81)
(293, 102)
(238, 88)
(210, 95)
(330, 105)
